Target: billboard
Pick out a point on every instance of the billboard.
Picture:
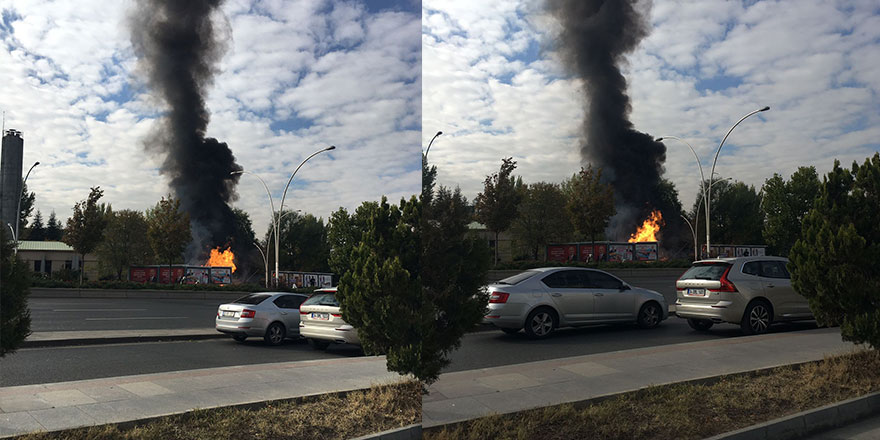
(305, 279)
(646, 251)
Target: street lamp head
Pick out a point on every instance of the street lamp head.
(659, 139)
(36, 163)
(765, 108)
(332, 147)
(438, 133)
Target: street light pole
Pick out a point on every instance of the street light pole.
(18, 208)
(265, 260)
(711, 174)
(694, 233)
(281, 206)
(271, 217)
(429, 144)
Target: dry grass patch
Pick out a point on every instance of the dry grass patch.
(319, 417)
(688, 411)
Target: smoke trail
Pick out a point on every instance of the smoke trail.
(178, 48)
(595, 36)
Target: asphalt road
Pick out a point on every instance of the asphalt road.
(81, 314)
(61, 364)
(493, 348)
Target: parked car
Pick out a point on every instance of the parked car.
(541, 300)
(753, 292)
(321, 321)
(274, 316)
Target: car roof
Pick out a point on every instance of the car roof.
(326, 290)
(276, 293)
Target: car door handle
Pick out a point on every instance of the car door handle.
(598, 294)
(771, 286)
(283, 313)
(556, 294)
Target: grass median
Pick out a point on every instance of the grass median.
(331, 416)
(687, 411)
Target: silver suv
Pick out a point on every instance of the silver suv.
(753, 292)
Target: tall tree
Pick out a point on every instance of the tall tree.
(168, 230)
(54, 228)
(589, 202)
(784, 206)
(27, 206)
(344, 234)
(303, 243)
(86, 228)
(541, 218)
(835, 262)
(736, 214)
(496, 206)
(15, 317)
(380, 293)
(453, 269)
(123, 244)
(37, 232)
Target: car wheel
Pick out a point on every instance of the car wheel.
(700, 324)
(319, 345)
(274, 334)
(757, 318)
(239, 338)
(649, 315)
(541, 323)
(510, 331)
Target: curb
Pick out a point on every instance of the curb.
(808, 422)
(411, 432)
(117, 340)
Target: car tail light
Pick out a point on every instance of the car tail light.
(726, 285)
(337, 315)
(303, 313)
(498, 297)
(246, 313)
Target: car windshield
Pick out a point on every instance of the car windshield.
(322, 299)
(705, 271)
(252, 299)
(518, 278)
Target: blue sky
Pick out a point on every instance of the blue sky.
(494, 85)
(297, 76)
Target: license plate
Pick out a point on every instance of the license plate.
(696, 292)
(228, 313)
(321, 316)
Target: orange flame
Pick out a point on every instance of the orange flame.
(648, 229)
(222, 258)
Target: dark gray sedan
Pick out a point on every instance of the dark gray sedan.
(274, 316)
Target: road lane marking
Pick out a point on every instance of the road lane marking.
(99, 310)
(137, 317)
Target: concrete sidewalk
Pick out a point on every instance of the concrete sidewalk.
(465, 395)
(62, 338)
(65, 405)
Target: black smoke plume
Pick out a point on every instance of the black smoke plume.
(595, 37)
(178, 47)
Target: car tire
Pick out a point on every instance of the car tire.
(650, 315)
(757, 318)
(319, 345)
(700, 324)
(541, 323)
(510, 331)
(239, 338)
(275, 334)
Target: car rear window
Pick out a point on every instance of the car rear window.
(322, 299)
(518, 278)
(252, 299)
(705, 271)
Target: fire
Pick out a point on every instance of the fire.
(222, 258)
(648, 229)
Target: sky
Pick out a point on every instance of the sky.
(494, 85)
(297, 77)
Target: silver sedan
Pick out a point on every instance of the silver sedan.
(274, 316)
(541, 300)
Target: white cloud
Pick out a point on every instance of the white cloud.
(703, 66)
(342, 75)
